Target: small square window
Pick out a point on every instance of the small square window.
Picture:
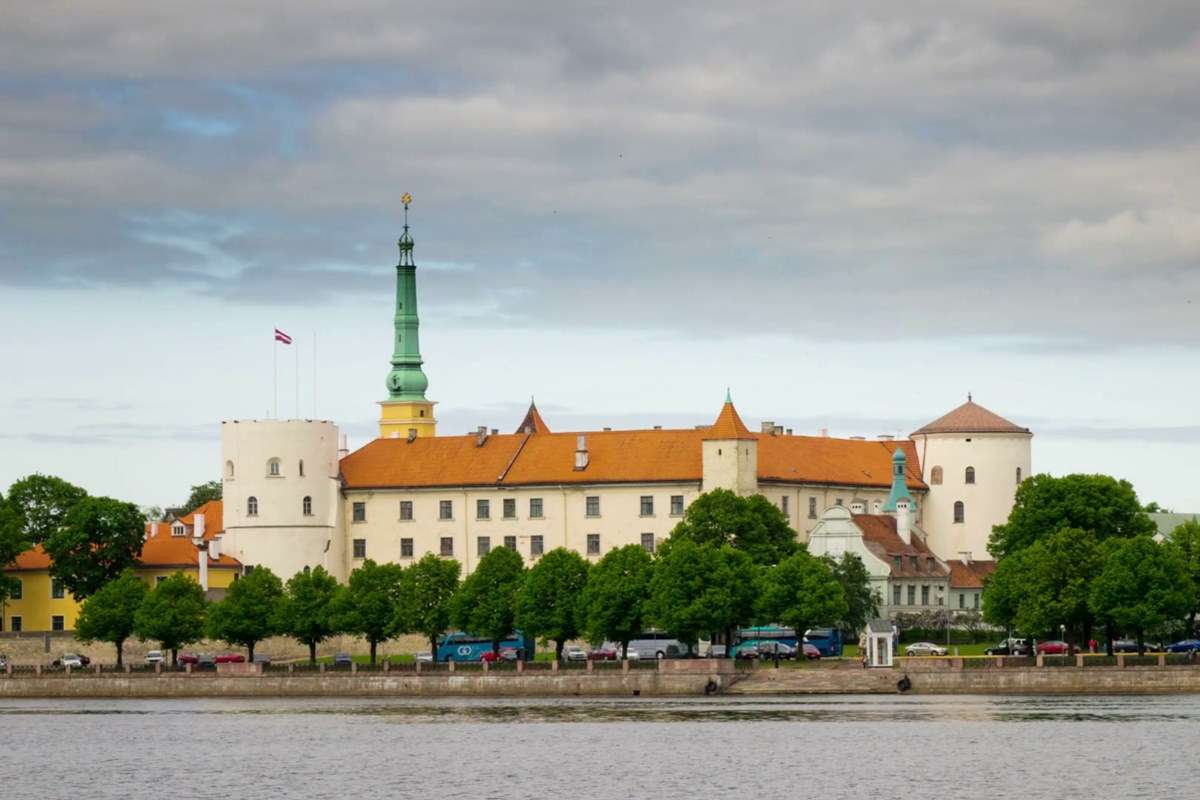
(676, 505)
(535, 545)
(16, 590)
(406, 548)
(593, 505)
(360, 512)
(593, 544)
(483, 509)
(510, 542)
(648, 542)
(56, 623)
(647, 505)
(535, 508)
(446, 509)
(360, 548)
(406, 510)
(447, 546)
(483, 546)
(15, 624)
(510, 508)
(837, 502)
(56, 589)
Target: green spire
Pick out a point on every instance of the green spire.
(406, 381)
(728, 395)
(899, 483)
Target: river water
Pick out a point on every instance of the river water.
(827, 747)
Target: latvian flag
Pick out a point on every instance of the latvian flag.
(280, 336)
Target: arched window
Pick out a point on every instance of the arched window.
(935, 476)
(970, 477)
(1018, 476)
(228, 469)
(307, 506)
(302, 468)
(959, 512)
(273, 467)
(251, 506)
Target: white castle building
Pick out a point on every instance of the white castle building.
(293, 499)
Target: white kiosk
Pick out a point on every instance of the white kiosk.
(879, 643)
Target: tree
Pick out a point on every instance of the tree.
(99, 539)
(1100, 504)
(1143, 585)
(862, 602)
(752, 524)
(12, 543)
(172, 614)
(426, 594)
(1002, 590)
(200, 495)
(1154, 508)
(250, 611)
(306, 608)
(109, 614)
(43, 503)
(800, 592)
(1055, 583)
(613, 602)
(548, 603)
(486, 603)
(366, 605)
(1185, 541)
(699, 589)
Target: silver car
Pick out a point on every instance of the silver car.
(924, 649)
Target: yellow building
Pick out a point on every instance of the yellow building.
(39, 603)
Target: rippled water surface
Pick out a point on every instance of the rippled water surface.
(828, 747)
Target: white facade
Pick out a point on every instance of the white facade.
(281, 495)
(979, 470)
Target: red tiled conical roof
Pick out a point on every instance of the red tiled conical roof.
(729, 425)
(533, 422)
(971, 417)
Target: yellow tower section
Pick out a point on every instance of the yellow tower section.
(399, 417)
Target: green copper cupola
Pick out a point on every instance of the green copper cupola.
(406, 380)
(899, 483)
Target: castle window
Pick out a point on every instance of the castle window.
(510, 508)
(229, 469)
(1018, 476)
(301, 468)
(592, 505)
(924, 595)
(447, 546)
(483, 509)
(896, 595)
(812, 508)
(970, 476)
(360, 548)
(359, 512)
(15, 624)
(406, 548)
(536, 545)
(935, 476)
(306, 506)
(648, 542)
(677, 505)
(647, 505)
(783, 504)
(273, 468)
(912, 594)
(178, 530)
(959, 512)
(56, 623)
(15, 591)
(406, 513)
(535, 508)
(977, 601)
(510, 542)
(483, 546)
(56, 589)
(445, 509)
(962, 599)
(251, 506)
(899, 562)
(593, 544)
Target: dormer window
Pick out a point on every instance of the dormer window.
(178, 530)
(273, 468)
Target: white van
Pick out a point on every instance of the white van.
(655, 644)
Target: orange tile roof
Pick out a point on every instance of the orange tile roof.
(825, 459)
(881, 538)
(533, 422)
(32, 560)
(971, 417)
(729, 425)
(214, 520)
(970, 575)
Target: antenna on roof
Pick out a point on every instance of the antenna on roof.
(968, 397)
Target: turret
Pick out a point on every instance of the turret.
(730, 454)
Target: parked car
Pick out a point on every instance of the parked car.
(1184, 646)
(155, 657)
(656, 644)
(69, 660)
(183, 659)
(1054, 648)
(206, 661)
(811, 651)
(747, 652)
(574, 652)
(1125, 646)
(609, 651)
(769, 650)
(424, 658)
(506, 654)
(924, 649)
(230, 658)
(342, 660)
(1009, 647)
(262, 658)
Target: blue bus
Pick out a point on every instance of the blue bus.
(828, 641)
(459, 646)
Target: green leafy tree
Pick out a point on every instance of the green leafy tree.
(862, 602)
(752, 524)
(486, 603)
(1154, 508)
(306, 608)
(1185, 541)
(12, 543)
(613, 602)
(1143, 585)
(99, 539)
(1002, 591)
(366, 605)
(172, 614)
(426, 594)
(249, 612)
(548, 603)
(800, 592)
(43, 503)
(108, 615)
(1055, 583)
(200, 495)
(1102, 505)
(701, 589)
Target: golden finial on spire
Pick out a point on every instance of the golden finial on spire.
(406, 198)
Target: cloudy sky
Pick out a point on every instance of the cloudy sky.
(852, 215)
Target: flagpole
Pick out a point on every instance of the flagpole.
(275, 370)
(297, 380)
(314, 375)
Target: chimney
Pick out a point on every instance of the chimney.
(198, 526)
(412, 435)
(858, 438)
(153, 529)
(858, 507)
(495, 431)
(824, 432)
(965, 557)
(768, 426)
(608, 429)
(481, 435)
(658, 427)
(214, 548)
(789, 431)
(343, 447)
(581, 452)
(902, 521)
(885, 437)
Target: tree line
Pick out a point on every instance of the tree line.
(1079, 551)
(730, 562)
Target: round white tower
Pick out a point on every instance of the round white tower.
(281, 494)
(973, 460)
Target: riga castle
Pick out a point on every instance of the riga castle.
(918, 510)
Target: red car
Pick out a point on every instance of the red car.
(811, 652)
(188, 658)
(506, 654)
(1053, 649)
(230, 658)
(606, 652)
